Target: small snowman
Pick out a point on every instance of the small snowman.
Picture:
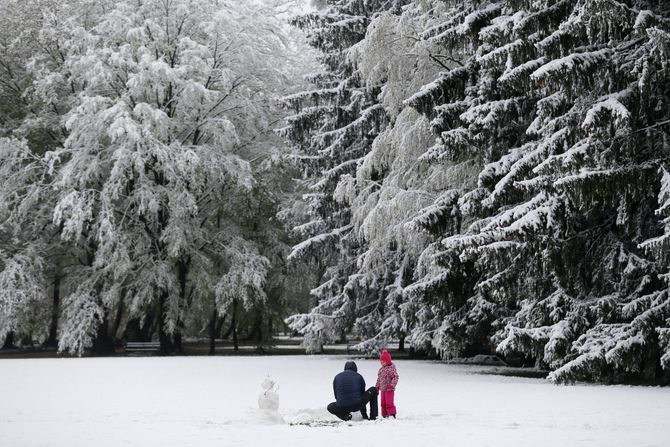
(269, 399)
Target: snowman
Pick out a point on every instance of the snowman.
(268, 401)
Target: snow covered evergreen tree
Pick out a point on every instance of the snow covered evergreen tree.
(564, 103)
(528, 226)
(394, 185)
(332, 130)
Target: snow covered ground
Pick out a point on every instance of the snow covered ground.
(213, 401)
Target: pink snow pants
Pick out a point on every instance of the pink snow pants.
(388, 407)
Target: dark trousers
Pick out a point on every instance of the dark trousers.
(344, 413)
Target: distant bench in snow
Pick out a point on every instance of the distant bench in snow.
(480, 359)
(133, 347)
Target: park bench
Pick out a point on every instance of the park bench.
(142, 348)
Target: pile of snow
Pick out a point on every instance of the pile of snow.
(215, 401)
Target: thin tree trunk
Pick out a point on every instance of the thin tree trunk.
(212, 333)
(165, 339)
(53, 328)
(228, 332)
(215, 325)
(103, 343)
(236, 346)
(257, 331)
(183, 269)
(117, 330)
(176, 340)
(219, 324)
(146, 331)
(401, 344)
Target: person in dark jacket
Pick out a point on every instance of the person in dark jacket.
(351, 396)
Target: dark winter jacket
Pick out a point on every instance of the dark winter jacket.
(349, 386)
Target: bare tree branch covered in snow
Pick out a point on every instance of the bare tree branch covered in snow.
(150, 111)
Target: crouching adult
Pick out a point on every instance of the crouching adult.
(351, 395)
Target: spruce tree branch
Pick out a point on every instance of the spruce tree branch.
(444, 56)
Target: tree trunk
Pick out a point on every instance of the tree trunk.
(215, 325)
(236, 346)
(103, 343)
(9, 341)
(176, 340)
(219, 324)
(401, 344)
(212, 333)
(228, 332)
(257, 331)
(146, 331)
(120, 324)
(53, 328)
(182, 272)
(167, 347)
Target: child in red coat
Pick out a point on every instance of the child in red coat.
(387, 379)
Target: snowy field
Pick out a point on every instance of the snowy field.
(213, 401)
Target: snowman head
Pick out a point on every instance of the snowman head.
(268, 383)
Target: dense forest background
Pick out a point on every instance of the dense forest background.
(462, 176)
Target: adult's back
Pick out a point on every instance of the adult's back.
(349, 386)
